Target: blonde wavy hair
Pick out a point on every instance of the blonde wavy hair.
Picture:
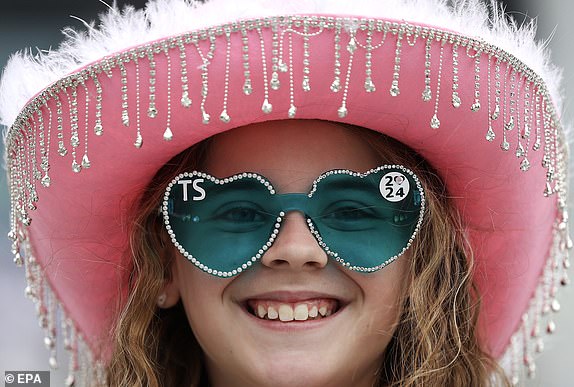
(435, 343)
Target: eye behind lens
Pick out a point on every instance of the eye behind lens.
(241, 215)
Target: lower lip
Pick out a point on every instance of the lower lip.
(294, 325)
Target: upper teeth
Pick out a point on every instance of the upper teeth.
(288, 312)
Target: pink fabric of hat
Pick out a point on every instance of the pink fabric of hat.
(91, 123)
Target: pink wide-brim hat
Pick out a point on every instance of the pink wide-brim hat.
(92, 122)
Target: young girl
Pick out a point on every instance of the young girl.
(319, 195)
(380, 320)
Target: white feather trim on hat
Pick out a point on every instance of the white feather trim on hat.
(27, 74)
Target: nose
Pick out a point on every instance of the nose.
(295, 248)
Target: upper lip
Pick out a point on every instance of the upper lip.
(293, 296)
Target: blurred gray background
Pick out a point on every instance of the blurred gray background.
(36, 23)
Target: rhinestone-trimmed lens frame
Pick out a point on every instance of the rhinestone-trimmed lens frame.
(165, 210)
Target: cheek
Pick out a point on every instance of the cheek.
(201, 295)
(384, 293)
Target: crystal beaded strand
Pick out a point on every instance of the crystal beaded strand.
(70, 345)
(62, 151)
(30, 165)
(509, 103)
(292, 108)
(515, 360)
(85, 160)
(519, 148)
(555, 153)
(35, 174)
(50, 329)
(496, 113)
(107, 67)
(124, 90)
(46, 157)
(205, 60)
(41, 310)
(456, 101)
(512, 97)
(44, 163)
(535, 329)
(266, 107)
(185, 99)
(22, 186)
(555, 267)
(31, 274)
(139, 140)
(336, 84)
(476, 104)
(306, 85)
(98, 127)
(490, 135)
(528, 118)
(224, 116)
(274, 83)
(152, 108)
(395, 90)
(369, 84)
(351, 48)
(427, 93)
(435, 122)
(527, 357)
(40, 129)
(247, 87)
(281, 65)
(16, 191)
(14, 234)
(538, 122)
(74, 127)
(565, 248)
(549, 302)
(167, 134)
(558, 161)
(546, 158)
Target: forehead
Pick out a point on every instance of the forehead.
(291, 154)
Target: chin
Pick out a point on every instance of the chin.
(302, 375)
(306, 371)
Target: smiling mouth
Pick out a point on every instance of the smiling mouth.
(314, 309)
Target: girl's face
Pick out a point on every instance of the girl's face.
(295, 276)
